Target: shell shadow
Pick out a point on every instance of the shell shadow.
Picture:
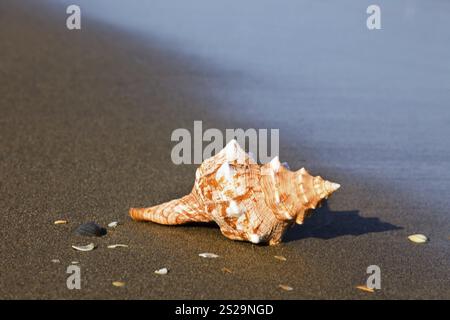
(327, 224)
(210, 225)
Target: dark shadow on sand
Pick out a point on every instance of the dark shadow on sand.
(324, 224)
(211, 225)
(327, 224)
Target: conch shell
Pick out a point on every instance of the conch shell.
(248, 201)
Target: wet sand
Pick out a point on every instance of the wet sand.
(86, 119)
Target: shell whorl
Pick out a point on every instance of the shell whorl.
(292, 194)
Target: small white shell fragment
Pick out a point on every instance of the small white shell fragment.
(418, 238)
(118, 245)
(281, 258)
(208, 255)
(162, 271)
(285, 287)
(88, 247)
(56, 261)
(75, 262)
(113, 224)
(60, 222)
(118, 284)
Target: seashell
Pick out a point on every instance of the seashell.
(90, 229)
(113, 224)
(88, 247)
(118, 245)
(249, 202)
(208, 255)
(418, 238)
(118, 284)
(285, 287)
(365, 288)
(281, 258)
(162, 271)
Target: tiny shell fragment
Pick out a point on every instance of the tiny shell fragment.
(75, 262)
(365, 288)
(88, 247)
(281, 258)
(113, 246)
(418, 238)
(285, 287)
(226, 270)
(208, 255)
(113, 224)
(118, 284)
(60, 222)
(56, 261)
(162, 271)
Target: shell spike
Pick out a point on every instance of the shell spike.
(334, 186)
(234, 152)
(331, 187)
(275, 164)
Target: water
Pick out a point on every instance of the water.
(373, 102)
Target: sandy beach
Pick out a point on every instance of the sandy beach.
(86, 120)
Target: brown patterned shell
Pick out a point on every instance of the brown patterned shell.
(248, 201)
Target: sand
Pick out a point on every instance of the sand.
(86, 119)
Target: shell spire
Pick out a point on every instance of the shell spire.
(313, 191)
(249, 202)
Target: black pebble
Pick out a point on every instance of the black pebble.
(90, 229)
